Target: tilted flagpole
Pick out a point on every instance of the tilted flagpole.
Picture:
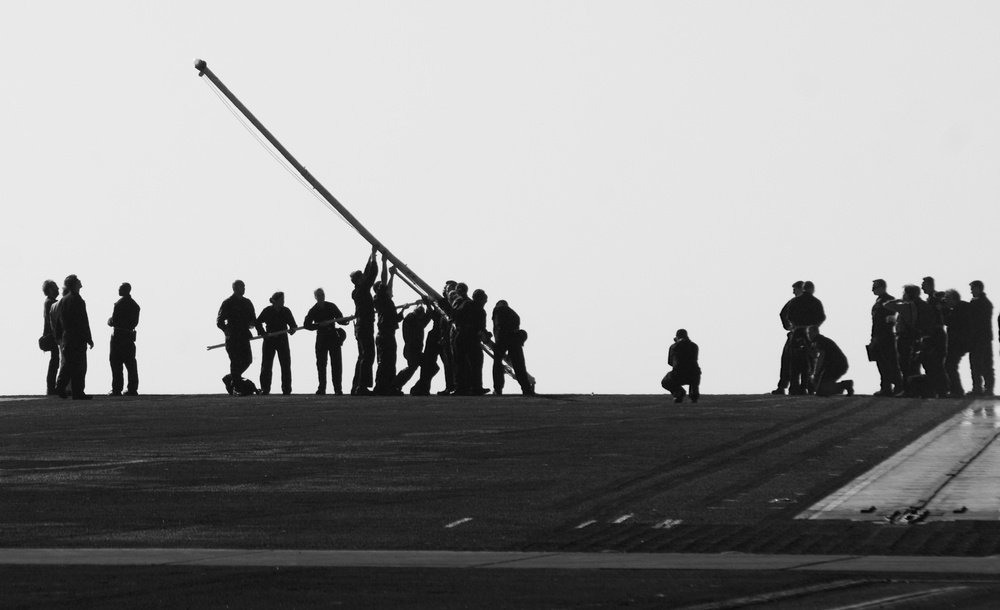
(203, 70)
(414, 281)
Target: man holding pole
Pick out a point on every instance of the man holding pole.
(236, 317)
(385, 340)
(321, 318)
(364, 325)
(276, 320)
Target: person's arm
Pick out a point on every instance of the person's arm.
(894, 306)
(310, 321)
(220, 319)
(85, 319)
(290, 319)
(371, 270)
(256, 322)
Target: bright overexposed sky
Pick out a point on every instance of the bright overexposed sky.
(614, 170)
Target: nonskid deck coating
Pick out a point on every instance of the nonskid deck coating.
(951, 473)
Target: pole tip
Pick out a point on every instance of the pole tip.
(200, 65)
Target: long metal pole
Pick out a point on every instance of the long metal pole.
(203, 70)
(401, 268)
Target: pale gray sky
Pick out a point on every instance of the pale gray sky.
(613, 170)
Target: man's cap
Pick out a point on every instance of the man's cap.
(976, 284)
(798, 284)
(879, 283)
(929, 279)
(681, 333)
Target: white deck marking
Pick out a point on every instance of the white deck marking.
(669, 523)
(622, 519)
(18, 398)
(955, 467)
(585, 524)
(459, 522)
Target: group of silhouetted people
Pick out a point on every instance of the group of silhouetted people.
(66, 335)
(916, 343)
(811, 363)
(457, 337)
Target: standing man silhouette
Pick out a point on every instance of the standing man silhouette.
(329, 339)
(981, 345)
(48, 340)
(276, 318)
(72, 330)
(883, 342)
(124, 318)
(236, 317)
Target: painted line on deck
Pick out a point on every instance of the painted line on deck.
(459, 522)
(499, 560)
(667, 524)
(622, 519)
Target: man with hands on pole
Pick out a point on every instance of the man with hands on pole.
(364, 325)
(329, 339)
(278, 323)
(236, 317)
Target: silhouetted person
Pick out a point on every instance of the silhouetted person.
(804, 311)
(471, 321)
(47, 342)
(72, 330)
(508, 339)
(934, 349)
(914, 321)
(934, 298)
(829, 364)
(459, 301)
(958, 319)
(683, 360)
(385, 339)
(329, 339)
(364, 325)
(981, 347)
(883, 342)
(445, 327)
(934, 344)
(276, 318)
(784, 373)
(124, 318)
(236, 317)
(432, 350)
(414, 324)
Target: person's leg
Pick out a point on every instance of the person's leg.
(285, 362)
(266, 367)
(52, 373)
(116, 359)
(499, 351)
(321, 355)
